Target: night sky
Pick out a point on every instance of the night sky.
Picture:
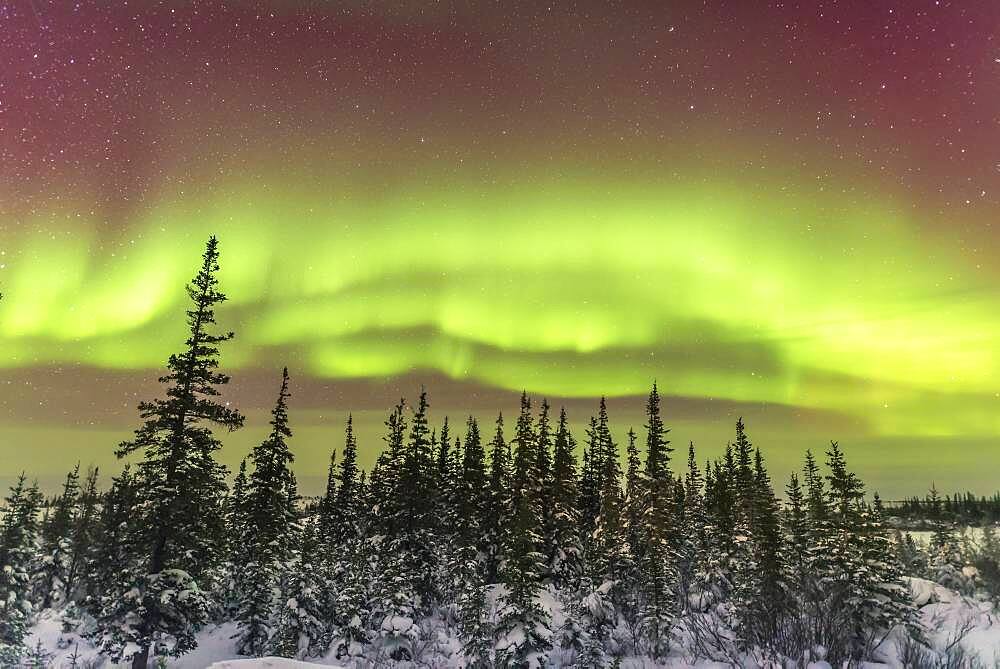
(787, 211)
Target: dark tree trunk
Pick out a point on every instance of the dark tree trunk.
(141, 659)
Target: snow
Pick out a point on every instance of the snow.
(948, 617)
(263, 663)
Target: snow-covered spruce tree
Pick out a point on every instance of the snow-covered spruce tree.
(944, 559)
(589, 486)
(299, 629)
(393, 623)
(182, 487)
(270, 522)
(112, 570)
(401, 546)
(450, 534)
(83, 538)
(693, 528)
(527, 480)
(350, 582)
(713, 579)
(612, 590)
(340, 535)
(476, 628)
(51, 574)
(762, 620)
(795, 523)
(472, 499)
(229, 586)
(611, 561)
(564, 561)
(346, 505)
(857, 596)
(887, 603)
(326, 516)
(498, 505)
(542, 489)
(417, 495)
(524, 627)
(632, 505)
(657, 561)
(819, 620)
(586, 629)
(18, 535)
(386, 474)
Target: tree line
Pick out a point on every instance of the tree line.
(479, 531)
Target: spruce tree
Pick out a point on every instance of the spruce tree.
(52, 576)
(564, 558)
(386, 474)
(417, 496)
(498, 503)
(234, 516)
(768, 605)
(83, 537)
(633, 502)
(473, 499)
(524, 627)
(443, 456)
(589, 485)
(746, 488)
(115, 555)
(270, 519)
(611, 558)
(657, 562)
(344, 507)
(796, 525)
(18, 534)
(299, 630)
(182, 486)
(694, 529)
(328, 503)
(526, 482)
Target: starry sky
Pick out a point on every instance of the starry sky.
(780, 210)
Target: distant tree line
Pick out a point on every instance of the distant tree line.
(958, 508)
(457, 528)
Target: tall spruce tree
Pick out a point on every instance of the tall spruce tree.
(417, 496)
(83, 537)
(346, 508)
(328, 503)
(234, 515)
(524, 625)
(270, 519)
(473, 500)
(52, 574)
(657, 562)
(498, 503)
(633, 501)
(182, 487)
(589, 485)
(526, 482)
(565, 557)
(694, 531)
(18, 534)
(299, 628)
(115, 552)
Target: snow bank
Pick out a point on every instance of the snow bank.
(264, 663)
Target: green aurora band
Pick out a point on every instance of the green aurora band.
(564, 286)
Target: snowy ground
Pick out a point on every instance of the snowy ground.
(263, 663)
(949, 618)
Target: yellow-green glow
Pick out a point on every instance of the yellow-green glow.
(564, 286)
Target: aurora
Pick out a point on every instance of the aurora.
(457, 197)
(731, 298)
